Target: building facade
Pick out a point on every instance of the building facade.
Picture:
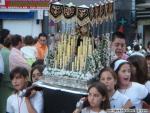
(24, 17)
(143, 20)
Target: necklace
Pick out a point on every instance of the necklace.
(19, 103)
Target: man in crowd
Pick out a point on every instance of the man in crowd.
(41, 46)
(137, 51)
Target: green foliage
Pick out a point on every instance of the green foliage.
(100, 58)
(50, 59)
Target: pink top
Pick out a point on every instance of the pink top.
(16, 59)
(124, 56)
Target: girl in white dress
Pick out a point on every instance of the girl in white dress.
(117, 100)
(97, 100)
(135, 91)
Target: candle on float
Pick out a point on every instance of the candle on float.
(83, 65)
(81, 62)
(78, 63)
(69, 39)
(71, 47)
(81, 49)
(90, 49)
(78, 50)
(75, 63)
(57, 59)
(60, 63)
(66, 60)
(68, 50)
(62, 60)
(82, 56)
(58, 53)
(74, 46)
(55, 63)
(62, 38)
(75, 40)
(85, 50)
(64, 45)
(73, 67)
(86, 46)
(55, 55)
(61, 57)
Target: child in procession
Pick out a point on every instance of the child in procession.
(18, 102)
(117, 100)
(97, 100)
(135, 91)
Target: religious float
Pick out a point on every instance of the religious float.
(82, 48)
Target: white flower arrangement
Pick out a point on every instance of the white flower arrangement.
(64, 73)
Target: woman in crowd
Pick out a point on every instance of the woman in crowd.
(139, 69)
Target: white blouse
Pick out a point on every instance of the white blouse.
(118, 100)
(17, 104)
(136, 93)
